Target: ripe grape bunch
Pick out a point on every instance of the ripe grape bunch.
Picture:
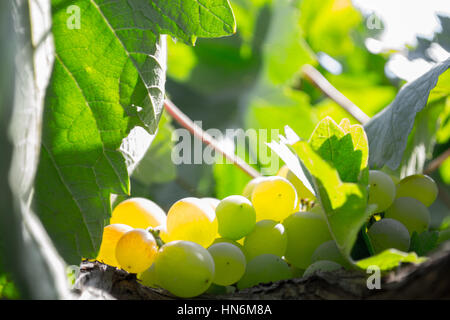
(275, 230)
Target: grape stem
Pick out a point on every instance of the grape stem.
(198, 132)
(436, 163)
(318, 80)
(155, 233)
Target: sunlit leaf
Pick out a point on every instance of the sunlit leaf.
(390, 259)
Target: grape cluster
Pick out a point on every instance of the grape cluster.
(401, 207)
(273, 231)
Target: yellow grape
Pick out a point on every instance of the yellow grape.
(191, 219)
(136, 250)
(302, 191)
(138, 213)
(111, 235)
(248, 190)
(274, 198)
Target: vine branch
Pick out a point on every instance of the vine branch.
(436, 163)
(319, 81)
(198, 132)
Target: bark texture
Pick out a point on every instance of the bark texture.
(429, 280)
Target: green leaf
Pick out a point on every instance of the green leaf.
(26, 252)
(390, 259)
(344, 203)
(8, 289)
(424, 242)
(388, 131)
(157, 166)
(347, 152)
(185, 20)
(108, 77)
(284, 49)
(328, 24)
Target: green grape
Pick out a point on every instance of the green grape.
(305, 232)
(418, 186)
(148, 277)
(411, 212)
(388, 234)
(216, 289)
(274, 198)
(184, 268)
(268, 236)
(381, 190)
(264, 269)
(229, 262)
(237, 244)
(329, 251)
(136, 250)
(323, 266)
(191, 219)
(236, 217)
(248, 190)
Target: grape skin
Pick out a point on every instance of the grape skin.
(388, 234)
(148, 277)
(274, 198)
(411, 212)
(381, 190)
(305, 232)
(268, 236)
(237, 244)
(236, 217)
(264, 268)
(323, 266)
(329, 251)
(229, 262)
(184, 268)
(138, 213)
(250, 186)
(191, 219)
(136, 250)
(418, 186)
(111, 235)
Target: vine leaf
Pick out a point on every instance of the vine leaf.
(344, 203)
(26, 252)
(108, 78)
(347, 150)
(342, 193)
(388, 130)
(390, 259)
